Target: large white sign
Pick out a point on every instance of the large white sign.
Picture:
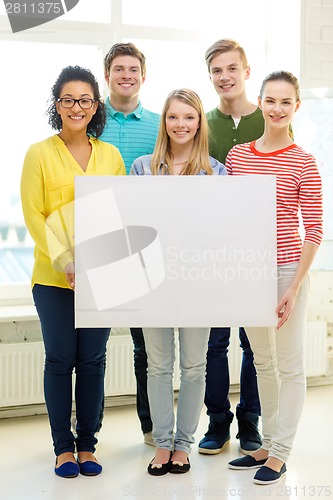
(175, 251)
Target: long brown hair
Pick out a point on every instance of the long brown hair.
(161, 162)
(284, 76)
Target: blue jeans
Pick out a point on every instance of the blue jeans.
(140, 370)
(160, 346)
(67, 348)
(218, 381)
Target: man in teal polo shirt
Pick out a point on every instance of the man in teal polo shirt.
(129, 126)
(133, 130)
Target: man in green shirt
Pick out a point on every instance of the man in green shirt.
(236, 120)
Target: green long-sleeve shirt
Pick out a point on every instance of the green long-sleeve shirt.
(223, 134)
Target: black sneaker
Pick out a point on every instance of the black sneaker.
(248, 434)
(215, 439)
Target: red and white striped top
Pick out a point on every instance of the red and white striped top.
(298, 186)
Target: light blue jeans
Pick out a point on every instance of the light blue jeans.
(160, 347)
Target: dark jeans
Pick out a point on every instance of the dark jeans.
(68, 348)
(218, 381)
(140, 370)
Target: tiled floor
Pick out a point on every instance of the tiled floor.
(26, 464)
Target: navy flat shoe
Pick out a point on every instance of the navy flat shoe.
(266, 475)
(67, 470)
(90, 468)
(245, 463)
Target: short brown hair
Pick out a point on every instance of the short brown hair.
(124, 49)
(222, 46)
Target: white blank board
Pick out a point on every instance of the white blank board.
(154, 251)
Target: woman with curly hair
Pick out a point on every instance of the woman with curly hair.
(47, 193)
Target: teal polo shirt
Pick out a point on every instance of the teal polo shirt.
(134, 135)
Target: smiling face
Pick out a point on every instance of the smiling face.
(228, 74)
(125, 77)
(76, 118)
(182, 122)
(278, 103)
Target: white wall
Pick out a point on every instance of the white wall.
(316, 43)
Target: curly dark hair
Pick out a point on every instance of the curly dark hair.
(74, 74)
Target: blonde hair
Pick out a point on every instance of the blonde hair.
(223, 46)
(161, 162)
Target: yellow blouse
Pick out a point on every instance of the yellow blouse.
(47, 192)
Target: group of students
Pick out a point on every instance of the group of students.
(119, 137)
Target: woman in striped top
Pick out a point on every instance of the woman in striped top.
(279, 352)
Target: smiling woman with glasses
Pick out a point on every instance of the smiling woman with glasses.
(47, 193)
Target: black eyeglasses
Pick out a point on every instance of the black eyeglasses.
(68, 103)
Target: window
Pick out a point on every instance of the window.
(174, 43)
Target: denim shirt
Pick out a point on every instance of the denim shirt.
(141, 166)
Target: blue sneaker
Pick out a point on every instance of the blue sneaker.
(215, 439)
(246, 463)
(248, 433)
(266, 475)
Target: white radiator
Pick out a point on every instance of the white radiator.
(21, 371)
(234, 357)
(316, 350)
(21, 366)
